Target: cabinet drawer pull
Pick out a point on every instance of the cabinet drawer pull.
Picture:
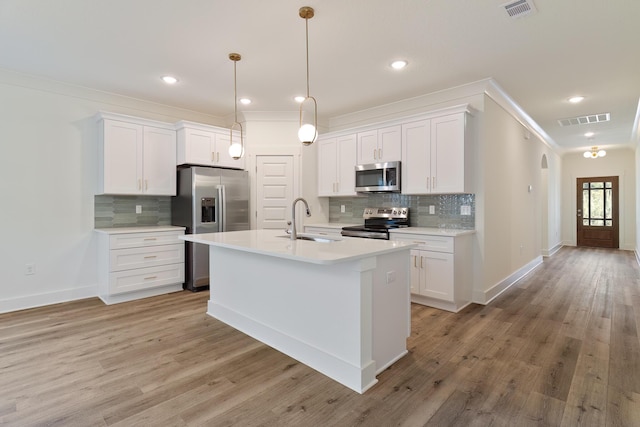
(150, 238)
(150, 256)
(150, 277)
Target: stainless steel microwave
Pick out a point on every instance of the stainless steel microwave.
(378, 177)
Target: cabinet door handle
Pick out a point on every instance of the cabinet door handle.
(150, 277)
(337, 187)
(379, 153)
(421, 262)
(415, 261)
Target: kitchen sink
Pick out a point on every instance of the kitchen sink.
(320, 239)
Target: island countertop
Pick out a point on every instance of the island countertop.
(277, 244)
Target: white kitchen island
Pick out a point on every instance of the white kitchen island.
(342, 308)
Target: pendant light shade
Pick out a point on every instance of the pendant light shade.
(236, 146)
(308, 132)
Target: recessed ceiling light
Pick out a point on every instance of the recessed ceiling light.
(589, 134)
(170, 80)
(398, 65)
(576, 99)
(245, 101)
(299, 98)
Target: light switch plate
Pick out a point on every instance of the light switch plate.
(465, 210)
(138, 209)
(432, 210)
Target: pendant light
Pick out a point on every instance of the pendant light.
(236, 148)
(308, 132)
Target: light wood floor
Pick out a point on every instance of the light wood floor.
(561, 348)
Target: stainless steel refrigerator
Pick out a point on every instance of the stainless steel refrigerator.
(209, 200)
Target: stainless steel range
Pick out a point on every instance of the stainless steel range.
(378, 222)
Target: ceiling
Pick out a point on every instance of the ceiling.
(564, 48)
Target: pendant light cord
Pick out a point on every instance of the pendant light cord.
(306, 22)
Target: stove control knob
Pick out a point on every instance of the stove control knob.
(404, 211)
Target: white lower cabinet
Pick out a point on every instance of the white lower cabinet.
(440, 270)
(139, 262)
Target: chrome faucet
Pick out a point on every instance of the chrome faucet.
(294, 234)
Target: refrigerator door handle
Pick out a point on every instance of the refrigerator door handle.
(221, 209)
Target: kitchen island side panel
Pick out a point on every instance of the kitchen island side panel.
(321, 315)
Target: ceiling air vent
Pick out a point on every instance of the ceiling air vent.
(585, 120)
(519, 8)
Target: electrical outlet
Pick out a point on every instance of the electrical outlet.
(432, 210)
(391, 276)
(29, 269)
(342, 209)
(465, 210)
(138, 209)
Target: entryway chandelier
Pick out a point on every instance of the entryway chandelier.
(594, 153)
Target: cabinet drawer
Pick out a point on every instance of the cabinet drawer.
(136, 240)
(145, 278)
(127, 259)
(426, 242)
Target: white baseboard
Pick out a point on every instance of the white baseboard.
(485, 297)
(552, 250)
(39, 300)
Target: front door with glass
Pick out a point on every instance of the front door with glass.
(597, 205)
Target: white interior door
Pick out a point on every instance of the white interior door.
(274, 190)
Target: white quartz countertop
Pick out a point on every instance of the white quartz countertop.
(431, 231)
(336, 225)
(147, 229)
(276, 243)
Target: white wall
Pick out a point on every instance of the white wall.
(618, 162)
(514, 219)
(277, 133)
(637, 222)
(48, 167)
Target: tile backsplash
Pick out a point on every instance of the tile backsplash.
(446, 209)
(120, 211)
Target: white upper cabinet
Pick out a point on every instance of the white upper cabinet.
(205, 145)
(137, 156)
(379, 145)
(336, 166)
(433, 156)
